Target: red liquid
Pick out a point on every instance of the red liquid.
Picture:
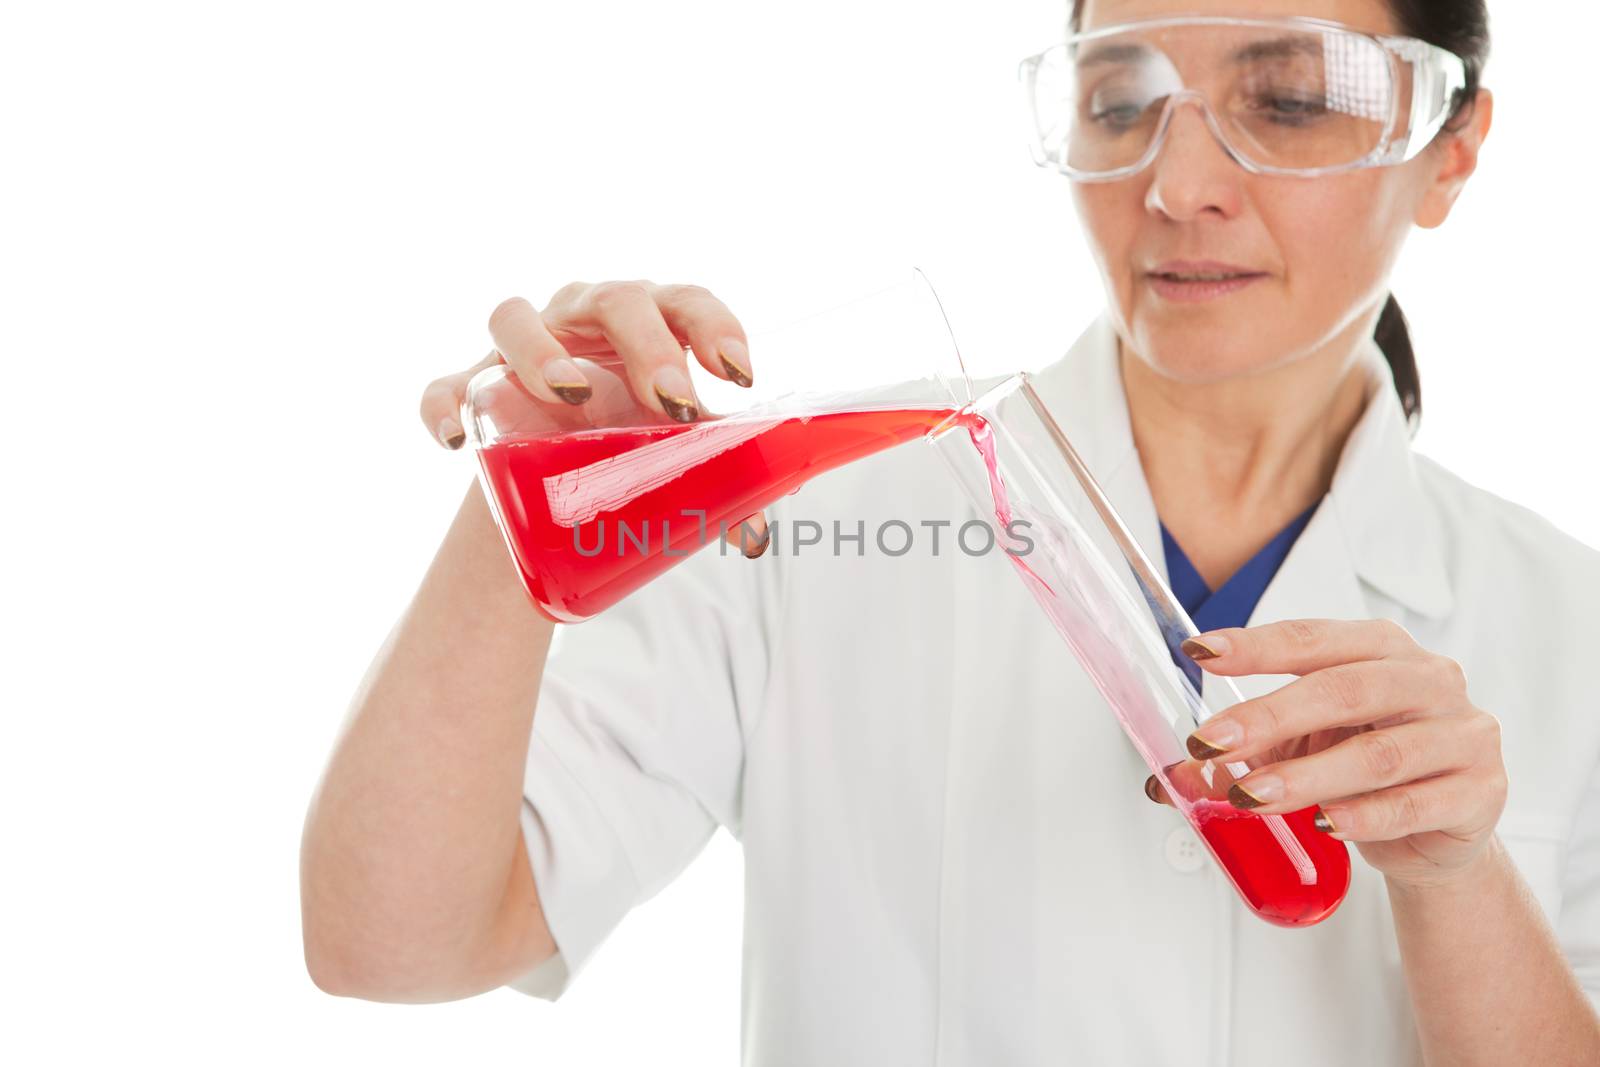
(591, 516)
(1283, 884)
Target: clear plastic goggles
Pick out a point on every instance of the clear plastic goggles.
(1293, 96)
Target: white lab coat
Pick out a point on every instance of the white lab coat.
(948, 856)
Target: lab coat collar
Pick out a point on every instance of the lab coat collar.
(1375, 525)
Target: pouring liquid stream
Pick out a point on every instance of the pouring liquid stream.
(590, 516)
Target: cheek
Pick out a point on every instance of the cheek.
(1110, 215)
(1338, 236)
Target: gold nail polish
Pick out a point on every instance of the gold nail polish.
(739, 375)
(1323, 823)
(455, 440)
(760, 547)
(677, 407)
(1197, 649)
(572, 392)
(1202, 751)
(1150, 788)
(1240, 797)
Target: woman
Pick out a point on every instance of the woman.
(942, 865)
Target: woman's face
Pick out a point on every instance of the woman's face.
(1323, 245)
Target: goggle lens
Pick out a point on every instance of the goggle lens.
(1281, 98)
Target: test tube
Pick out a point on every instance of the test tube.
(1124, 626)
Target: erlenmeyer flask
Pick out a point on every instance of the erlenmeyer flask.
(1124, 626)
(595, 500)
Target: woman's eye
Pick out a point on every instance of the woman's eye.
(1115, 115)
(1289, 110)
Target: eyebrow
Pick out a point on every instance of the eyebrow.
(1278, 48)
(1113, 53)
(1275, 48)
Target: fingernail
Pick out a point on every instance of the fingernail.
(563, 376)
(1217, 739)
(1323, 823)
(1210, 648)
(676, 395)
(1150, 788)
(1261, 790)
(449, 433)
(760, 547)
(735, 360)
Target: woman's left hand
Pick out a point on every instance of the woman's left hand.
(1377, 730)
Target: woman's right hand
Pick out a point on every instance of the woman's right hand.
(418, 887)
(641, 329)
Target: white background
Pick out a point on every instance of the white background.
(239, 239)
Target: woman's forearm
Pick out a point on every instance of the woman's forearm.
(1489, 982)
(411, 879)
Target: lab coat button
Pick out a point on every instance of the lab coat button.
(1184, 851)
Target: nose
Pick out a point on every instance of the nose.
(1192, 174)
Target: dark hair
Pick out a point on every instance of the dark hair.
(1459, 26)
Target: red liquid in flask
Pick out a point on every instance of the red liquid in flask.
(1286, 870)
(592, 515)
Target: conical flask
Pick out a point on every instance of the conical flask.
(595, 500)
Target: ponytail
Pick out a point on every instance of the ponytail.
(1394, 338)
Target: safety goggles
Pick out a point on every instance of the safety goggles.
(1292, 96)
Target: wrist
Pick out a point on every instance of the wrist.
(1470, 878)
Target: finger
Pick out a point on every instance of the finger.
(441, 402)
(1297, 646)
(715, 336)
(1189, 779)
(632, 322)
(1156, 791)
(536, 357)
(1348, 694)
(1364, 763)
(751, 536)
(1448, 803)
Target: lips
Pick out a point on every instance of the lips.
(1202, 270)
(1195, 280)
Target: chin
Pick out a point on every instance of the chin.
(1199, 352)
